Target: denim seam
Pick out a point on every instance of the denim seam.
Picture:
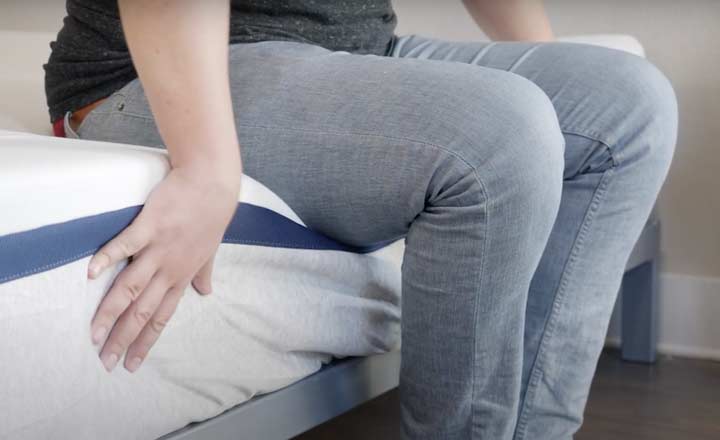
(597, 137)
(479, 283)
(110, 100)
(94, 112)
(129, 114)
(339, 133)
(536, 373)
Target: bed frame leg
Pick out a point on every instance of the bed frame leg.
(639, 313)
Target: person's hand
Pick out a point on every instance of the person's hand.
(172, 243)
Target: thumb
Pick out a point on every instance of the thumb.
(203, 279)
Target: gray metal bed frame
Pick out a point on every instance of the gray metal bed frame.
(344, 384)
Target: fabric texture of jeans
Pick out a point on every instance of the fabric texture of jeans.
(520, 175)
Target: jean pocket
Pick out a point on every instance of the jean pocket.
(69, 132)
(115, 102)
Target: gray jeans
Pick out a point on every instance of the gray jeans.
(520, 175)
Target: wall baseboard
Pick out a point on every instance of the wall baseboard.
(689, 321)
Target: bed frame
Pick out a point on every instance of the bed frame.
(336, 388)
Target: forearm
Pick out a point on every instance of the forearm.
(520, 20)
(180, 51)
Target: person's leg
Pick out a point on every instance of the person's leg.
(465, 162)
(618, 115)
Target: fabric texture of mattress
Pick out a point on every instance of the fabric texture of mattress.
(285, 299)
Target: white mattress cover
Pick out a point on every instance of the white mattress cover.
(275, 316)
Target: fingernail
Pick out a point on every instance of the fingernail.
(201, 289)
(134, 364)
(109, 361)
(93, 270)
(99, 335)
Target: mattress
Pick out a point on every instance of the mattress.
(286, 299)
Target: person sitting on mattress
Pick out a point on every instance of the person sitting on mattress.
(520, 172)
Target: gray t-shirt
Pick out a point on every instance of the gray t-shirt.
(90, 59)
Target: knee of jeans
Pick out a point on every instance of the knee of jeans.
(640, 101)
(651, 101)
(541, 164)
(656, 100)
(506, 128)
(527, 162)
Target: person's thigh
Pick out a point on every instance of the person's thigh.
(464, 162)
(353, 142)
(618, 116)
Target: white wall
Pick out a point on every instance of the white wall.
(31, 15)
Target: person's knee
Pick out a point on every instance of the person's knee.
(638, 102)
(540, 159)
(510, 134)
(651, 105)
(526, 162)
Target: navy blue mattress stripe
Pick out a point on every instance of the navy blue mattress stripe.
(38, 250)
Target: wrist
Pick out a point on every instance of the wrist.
(216, 177)
(212, 151)
(222, 165)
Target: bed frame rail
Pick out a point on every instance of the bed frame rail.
(336, 388)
